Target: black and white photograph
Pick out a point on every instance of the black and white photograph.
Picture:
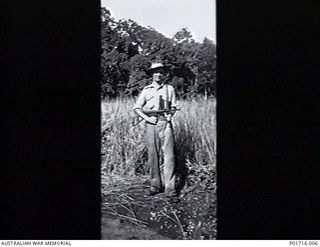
(136, 119)
(158, 120)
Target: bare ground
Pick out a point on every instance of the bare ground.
(127, 213)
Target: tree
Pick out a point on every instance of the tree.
(183, 36)
(138, 77)
(115, 73)
(206, 59)
(129, 48)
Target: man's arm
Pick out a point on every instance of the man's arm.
(140, 113)
(173, 104)
(173, 100)
(138, 109)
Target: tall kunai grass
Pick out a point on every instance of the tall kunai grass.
(124, 153)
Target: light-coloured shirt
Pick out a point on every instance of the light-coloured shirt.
(149, 99)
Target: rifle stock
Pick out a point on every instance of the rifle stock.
(155, 113)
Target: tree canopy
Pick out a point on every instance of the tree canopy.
(129, 48)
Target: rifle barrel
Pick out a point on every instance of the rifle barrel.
(161, 111)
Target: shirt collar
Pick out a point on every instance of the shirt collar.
(156, 85)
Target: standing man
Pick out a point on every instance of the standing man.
(159, 132)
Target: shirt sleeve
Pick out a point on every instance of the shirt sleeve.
(140, 101)
(173, 98)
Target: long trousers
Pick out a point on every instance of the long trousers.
(160, 136)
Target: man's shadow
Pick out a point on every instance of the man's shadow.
(184, 149)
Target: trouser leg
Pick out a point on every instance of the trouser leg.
(167, 144)
(153, 146)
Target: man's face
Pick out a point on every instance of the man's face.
(159, 75)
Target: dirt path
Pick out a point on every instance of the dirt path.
(114, 228)
(129, 214)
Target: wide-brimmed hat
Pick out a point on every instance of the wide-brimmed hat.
(155, 66)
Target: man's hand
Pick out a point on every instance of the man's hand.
(152, 120)
(168, 116)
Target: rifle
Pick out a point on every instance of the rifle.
(152, 113)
